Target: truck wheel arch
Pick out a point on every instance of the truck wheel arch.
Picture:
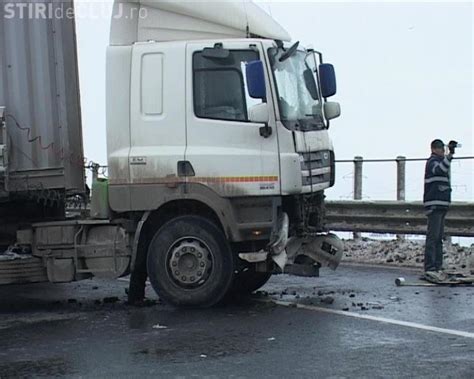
(151, 221)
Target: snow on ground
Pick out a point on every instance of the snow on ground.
(12, 256)
(406, 253)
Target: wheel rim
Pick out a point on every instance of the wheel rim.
(189, 262)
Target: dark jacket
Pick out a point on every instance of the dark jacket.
(437, 182)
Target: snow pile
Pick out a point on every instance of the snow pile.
(407, 253)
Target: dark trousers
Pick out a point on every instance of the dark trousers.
(434, 240)
(136, 289)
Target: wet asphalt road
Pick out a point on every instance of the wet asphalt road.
(68, 331)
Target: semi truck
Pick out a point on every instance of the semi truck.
(217, 144)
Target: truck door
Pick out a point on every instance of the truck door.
(157, 105)
(226, 151)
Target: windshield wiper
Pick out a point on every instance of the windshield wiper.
(290, 52)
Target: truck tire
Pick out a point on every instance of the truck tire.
(245, 282)
(190, 262)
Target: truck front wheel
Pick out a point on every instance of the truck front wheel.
(190, 262)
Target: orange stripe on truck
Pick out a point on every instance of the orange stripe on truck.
(234, 179)
(198, 179)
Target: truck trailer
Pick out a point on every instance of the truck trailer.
(217, 143)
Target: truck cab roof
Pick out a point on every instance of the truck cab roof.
(160, 21)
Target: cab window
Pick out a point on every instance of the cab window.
(219, 86)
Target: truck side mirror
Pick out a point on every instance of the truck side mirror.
(256, 79)
(259, 113)
(332, 110)
(327, 76)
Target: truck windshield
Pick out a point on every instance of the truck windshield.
(298, 93)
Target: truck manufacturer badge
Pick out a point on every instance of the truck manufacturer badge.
(267, 186)
(137, 160)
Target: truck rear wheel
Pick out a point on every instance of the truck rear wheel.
(190, 262)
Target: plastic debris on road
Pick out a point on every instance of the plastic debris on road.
(158, 326)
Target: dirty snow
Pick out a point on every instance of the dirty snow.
(11, 256)
(404, 253)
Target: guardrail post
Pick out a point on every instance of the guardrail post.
(358, 178)
(358, 183)
(401, 165)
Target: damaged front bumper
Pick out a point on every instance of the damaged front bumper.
(312, 250)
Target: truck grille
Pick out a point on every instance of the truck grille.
(317, 167)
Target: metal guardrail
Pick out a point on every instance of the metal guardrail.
(395, 217)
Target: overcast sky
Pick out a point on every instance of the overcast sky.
(405, 77)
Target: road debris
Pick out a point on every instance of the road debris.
(327, 300)
(458, 345)
(111, 300)
(158, 326)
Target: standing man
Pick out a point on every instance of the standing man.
(436, 199)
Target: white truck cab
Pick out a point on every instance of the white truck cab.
(224, 119)
(189, 106)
